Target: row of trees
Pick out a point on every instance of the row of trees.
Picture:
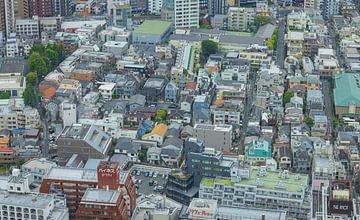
(272, 42)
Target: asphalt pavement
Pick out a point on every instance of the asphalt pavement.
(280, 48)
(144, 188)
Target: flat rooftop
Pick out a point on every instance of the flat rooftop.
(271, 181)
(101, 196)
(154, 83)
(13, 66)
(154, 27)
(36, 201)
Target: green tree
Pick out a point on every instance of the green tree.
(208, 47)
(337, 122)
(260, 20)
(31, 78)
(29, 96)
(142, 156)
(39, 48)
(161, 114)
(52, 56)
(4, 95)
(309, 121)
(287, 96)
(37, 64)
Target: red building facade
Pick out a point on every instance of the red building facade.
(41, 8)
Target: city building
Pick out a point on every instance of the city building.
(155, 6)
(28, 27)
(38, 168)
(157, 134)
(237, 19)
(99, 184)
(218, 137)
(41, 8)
(217, 7)
(152, 32)
(346, 99)
(121, 15)
(270, 190)
(9, 17)
(258, 151)
(68, 113)
(180, 187)
(88, 141)
(14, 114)
(118, 48)
(294, 41)
(191, 9)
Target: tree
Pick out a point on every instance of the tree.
(260, 20)
(272, 42)
(29, 96)
(52, 56)
(287, 96)
(4, 95)
(161, 114)
(208, 47)
(337, 122)
(37, 64)
(309, 121)
(142, 156)
(31, 78)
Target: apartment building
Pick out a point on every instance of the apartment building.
(38, 167)
(263, 189)
(2, 17)
(9, 17)
(87, 141)
(256, 55)
(227, 113)
(237, 19)
(218, 137)
(14, 115)
(27, 27)
(326, 62)
(155, 6)
(217, 7)
(41, 8)
(205, 162)
(294, 41)
(186, 14)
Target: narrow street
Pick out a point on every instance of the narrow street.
(328, 107)
(247, 111)
(280, 48)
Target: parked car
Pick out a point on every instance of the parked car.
(146, 174)
(134, 172)
(155, 175)
(151, 182)
(138, 173)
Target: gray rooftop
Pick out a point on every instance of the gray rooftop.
(36, 201)
(100, 196)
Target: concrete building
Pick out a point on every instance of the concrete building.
(294, 41)
(217, 7)
(121, 15)
(155, 6)
(218, 137)
(191, 9)
(9, 17)
(152, 32)
(88, 141)
(154, 88)
(38, 168)
(271, 190)
(27, 27)
(2, 17)
(14, 114)
(326, 62)
(205, 162)
(41, 8)
(107, 90)
(117, 48)
(180, 187)
(104, 176)
(68, 113)
(330, 8)
(347, 88)
(237, 19)
(156, 207)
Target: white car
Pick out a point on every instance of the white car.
(155, 175)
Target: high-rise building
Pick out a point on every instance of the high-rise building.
(167, 11)
(9, 17)
(186, 13)
(21, 8)
(63, 7)
(330, 8)
(154, 6)
(41, 8)
(111, 3)
(121, 15)
(217, 7)
(139, 5)
(2, 16)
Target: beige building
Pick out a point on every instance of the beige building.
(237, 19)
(294, 41)
(14, 115)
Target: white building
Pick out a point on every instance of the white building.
(28, 27)
(14, 85)
(68, 114)
(154, 6)
(107, 90)
(117, 48)
(38, 168)
(18, 202)
(12, 46)
(217, 136)
(186, 14)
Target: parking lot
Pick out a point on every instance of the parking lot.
(144, 186)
